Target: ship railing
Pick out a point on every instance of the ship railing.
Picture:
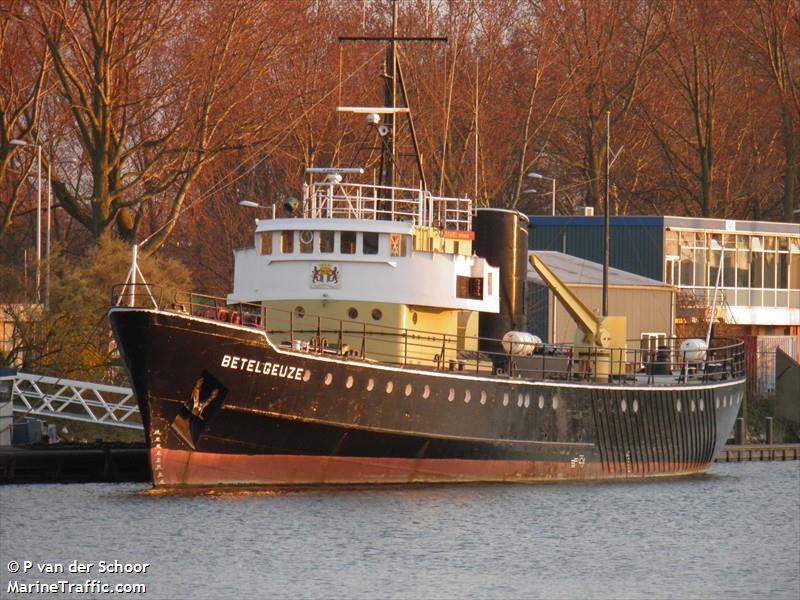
(217, 309)
(372, 342)
(371, 202)
(140, 295)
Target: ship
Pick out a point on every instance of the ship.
(376, 334)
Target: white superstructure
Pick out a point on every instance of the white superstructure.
(370, 244)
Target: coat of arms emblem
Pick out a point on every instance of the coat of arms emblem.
(325, 275)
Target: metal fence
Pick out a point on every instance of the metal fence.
(42, 396)
(760, 360)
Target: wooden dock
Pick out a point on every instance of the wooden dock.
(74, 463)
(758, 452)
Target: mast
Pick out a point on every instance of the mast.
(387, 177)
(605, 216)
(392, 74)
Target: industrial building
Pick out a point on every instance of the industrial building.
(648, 304)
(754, 267)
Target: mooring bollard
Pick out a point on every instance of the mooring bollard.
(769, 431)
(740, 431)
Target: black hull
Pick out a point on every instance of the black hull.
(222, 405)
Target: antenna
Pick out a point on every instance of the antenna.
(392, 75)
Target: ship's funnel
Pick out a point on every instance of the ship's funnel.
(501, 237)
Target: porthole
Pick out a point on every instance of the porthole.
(724, 401)
(299, 312)
(306, 375)
(692, 405)
(349, 383)
(370, 384)
(519, 400)
(467, 396)
(635, 406)
(555, 402)
(716, 402)
(505, 398)
(408, 389)
(678, 406)
(702, 405)
(426, 392)
(352, 313)
(414, 318)
(389, 387)
(483, 397)
(377, 315)
(527, 400)
(451, 395)
(328, 378)
(541, 401)
(623, 405)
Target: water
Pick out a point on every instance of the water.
(734, 533)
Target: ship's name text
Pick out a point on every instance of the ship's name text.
(252, 365)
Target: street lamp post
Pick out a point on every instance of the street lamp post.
(38, 147)
(251, 204)
(553, 201)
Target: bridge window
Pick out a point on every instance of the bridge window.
(397, 244)
(370, 243)
(287, 242)
(348, 242)
(326, 241)
(306, 242)
(469, 287)
(266, 243)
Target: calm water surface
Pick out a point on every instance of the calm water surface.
(734, 533)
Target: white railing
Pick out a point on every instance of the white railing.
(370, 202)
(75, 400)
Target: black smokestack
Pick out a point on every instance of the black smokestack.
(501, 237)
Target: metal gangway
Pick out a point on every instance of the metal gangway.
(109, 405)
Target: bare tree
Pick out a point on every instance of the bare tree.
(156, 91)
(686, 120)
(770, 39)
(606, 47)
(23, 71)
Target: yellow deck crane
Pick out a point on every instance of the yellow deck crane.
(600, 342)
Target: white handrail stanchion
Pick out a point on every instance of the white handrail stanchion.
(134, 268)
